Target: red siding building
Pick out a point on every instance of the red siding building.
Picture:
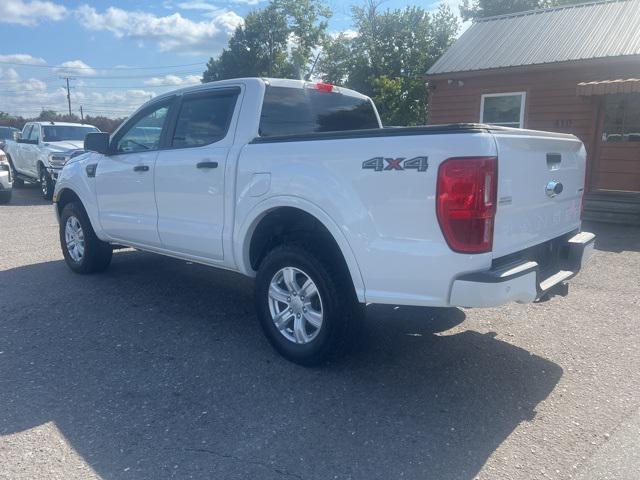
(569, 69)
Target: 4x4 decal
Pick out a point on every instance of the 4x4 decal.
(379, 164)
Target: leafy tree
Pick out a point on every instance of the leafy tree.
(48, 116)
(389, 56)
(336, 59)
(307, 24)
(257, 48)
(477, 9)
(276, 41)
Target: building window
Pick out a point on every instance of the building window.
(622, 118)
(506, 109)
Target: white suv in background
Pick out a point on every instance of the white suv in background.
(41, 150)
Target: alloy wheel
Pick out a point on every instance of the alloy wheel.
(295, 305)
(74, 239)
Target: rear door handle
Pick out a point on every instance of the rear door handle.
(141, 168)
(207, 165)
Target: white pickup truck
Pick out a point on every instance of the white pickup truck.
(40, 151)
(299, 185)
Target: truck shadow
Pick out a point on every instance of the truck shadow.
(27, 195)
(158, 369)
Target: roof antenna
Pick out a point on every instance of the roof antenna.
(313, 67)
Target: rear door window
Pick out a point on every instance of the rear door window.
(204, 119)
(290, 111)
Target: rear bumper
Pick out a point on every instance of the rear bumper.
(523, 281)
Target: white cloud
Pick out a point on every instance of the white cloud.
(9, 75)
(30, 13)
(75, 67)
(22, 58)
(348, 34)
(28, 96)
(171, 33)
(173, 80)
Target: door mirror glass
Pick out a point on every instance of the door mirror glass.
(97, 142)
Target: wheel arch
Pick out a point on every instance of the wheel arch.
(68, 194)
(64, 197)
(276, 220)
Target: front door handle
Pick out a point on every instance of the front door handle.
(141, 168)
(207, 165)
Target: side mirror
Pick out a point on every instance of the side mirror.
(97, 142)
(17, 136)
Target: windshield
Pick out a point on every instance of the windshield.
(59, 133)
(6, 133)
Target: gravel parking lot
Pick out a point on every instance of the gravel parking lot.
(158, 369)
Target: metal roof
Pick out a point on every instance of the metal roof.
(576, 32)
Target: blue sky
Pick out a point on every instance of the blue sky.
(120, 53)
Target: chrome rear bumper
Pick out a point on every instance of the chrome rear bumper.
(524, 281)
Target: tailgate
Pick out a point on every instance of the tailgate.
(541, 183)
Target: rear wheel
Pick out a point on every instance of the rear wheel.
(83, 251)
(46, 184)
(306, 307)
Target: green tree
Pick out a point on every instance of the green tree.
(276, 41)
(48, 116)
(389, 57)
(307, 24)
(477, 9)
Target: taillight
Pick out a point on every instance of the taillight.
(466, 202)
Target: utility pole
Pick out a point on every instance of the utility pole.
(68, 92)
(81, 114)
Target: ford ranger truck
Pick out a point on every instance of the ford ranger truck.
(40, 151)
(298, 185)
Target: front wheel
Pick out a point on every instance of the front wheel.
(5, 197)
(46, 184)
(306, 307)
(83, 251)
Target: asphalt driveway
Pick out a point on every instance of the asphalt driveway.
(158, 369)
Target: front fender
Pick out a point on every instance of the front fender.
(74, 177)
(242, 235)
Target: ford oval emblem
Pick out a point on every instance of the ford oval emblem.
(553, 188)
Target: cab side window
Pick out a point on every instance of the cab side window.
(204, 119)
(144, 133)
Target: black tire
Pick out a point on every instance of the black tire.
(46, 183)
(341, 311)
(5, 197)
(97, 254)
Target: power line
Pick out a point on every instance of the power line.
(110, 77)
(124, 67)
(160, 85)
